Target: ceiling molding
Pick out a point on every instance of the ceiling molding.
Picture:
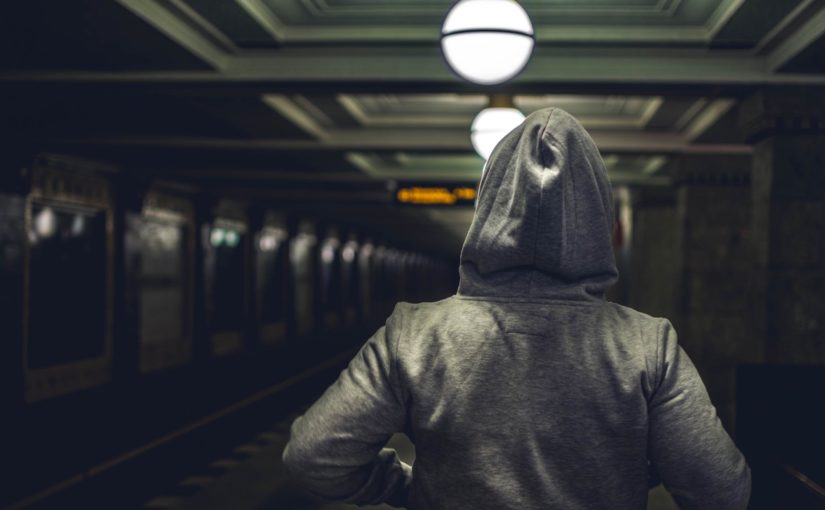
(185, 32)
(659, 8)
(654, 164)
(726, 10)
(435, 168)
(317, 114)
(264, 16)
(355, 107)
(803, 37)
(264, 176)
(707, 118)
(650, 110)
(769, 38)
(312, 7)
(305, 31)
(427, 34)
(183, 9)
(295, 114)
(690, 113)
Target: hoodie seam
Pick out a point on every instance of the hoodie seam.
(537, 301)
(651, 368)
(395, 343)
(567, 253)
(541, 194)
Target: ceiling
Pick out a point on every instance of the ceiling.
(293, 100)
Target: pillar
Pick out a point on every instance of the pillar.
(713, 216)
(787, 130)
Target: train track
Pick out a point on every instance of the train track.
(132, 478)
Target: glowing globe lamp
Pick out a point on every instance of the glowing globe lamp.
(487, 41)
(490, 126)
(232, 238)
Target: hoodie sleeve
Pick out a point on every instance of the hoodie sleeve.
(336, 449)
(688, 447)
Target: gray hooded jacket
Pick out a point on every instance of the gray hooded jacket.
(526, 390)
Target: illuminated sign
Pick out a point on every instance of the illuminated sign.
(437, 194)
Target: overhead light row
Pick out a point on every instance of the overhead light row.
(488, 42)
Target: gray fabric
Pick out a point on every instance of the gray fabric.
(526, 390)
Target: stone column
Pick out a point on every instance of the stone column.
(787, 130)
(655, 269)
(712, 222)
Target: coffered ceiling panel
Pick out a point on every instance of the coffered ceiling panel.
(262, 23)
(457, 111)
(543, 12)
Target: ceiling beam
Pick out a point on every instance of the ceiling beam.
(416, 67)
(261, 176)
(804, 36)
(412, 140)
(546, 67)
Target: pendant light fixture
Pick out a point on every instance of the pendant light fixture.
(487, 41)
(493, 123)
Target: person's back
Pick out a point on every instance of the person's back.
(526, 390)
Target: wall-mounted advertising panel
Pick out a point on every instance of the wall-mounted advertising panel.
(68, 278)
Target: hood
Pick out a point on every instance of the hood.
(544, 216)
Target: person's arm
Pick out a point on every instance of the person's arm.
(336, 449)
(688, 447)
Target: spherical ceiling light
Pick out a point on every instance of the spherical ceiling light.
(491, 125)
(487, 41)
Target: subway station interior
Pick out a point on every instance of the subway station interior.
(208, 206)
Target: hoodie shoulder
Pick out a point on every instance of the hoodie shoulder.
(417, 315)
(649, 326)
(629, 312)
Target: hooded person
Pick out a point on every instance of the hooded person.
(526, 389)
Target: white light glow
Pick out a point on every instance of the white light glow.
(45, 223)
(232, 238)
(348, 253)
(328, 254)
(78, 225)
(490, 126)
(217, 237)
(487, 41)
(268, 242)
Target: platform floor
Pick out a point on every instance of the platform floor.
(253, 478)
